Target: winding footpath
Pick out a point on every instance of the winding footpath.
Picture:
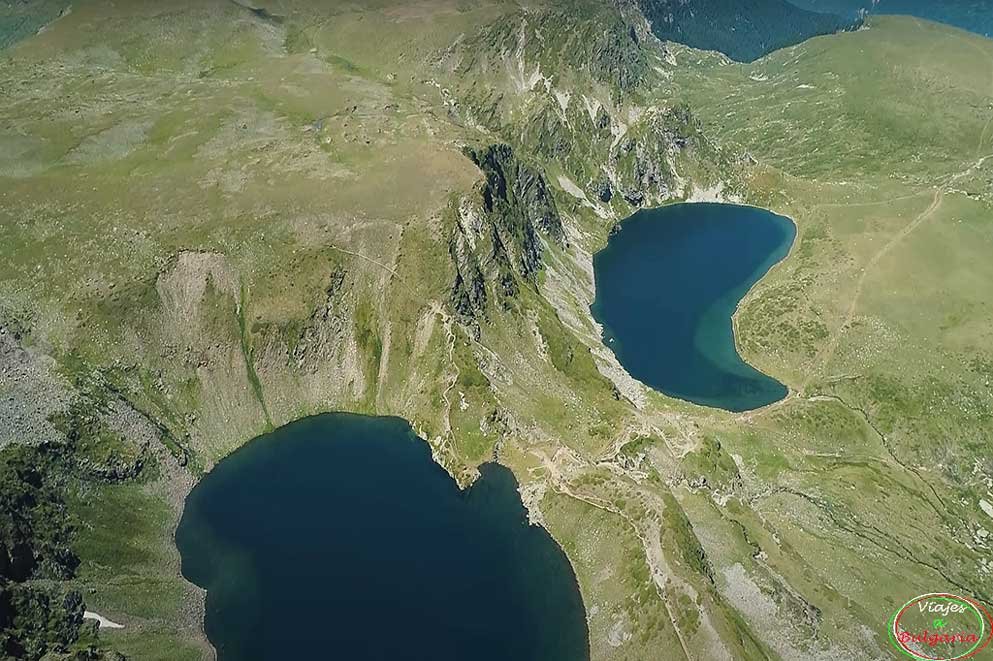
(824, 355)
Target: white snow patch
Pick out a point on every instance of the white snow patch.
(592, 107)
(102, 622)
(538, 77)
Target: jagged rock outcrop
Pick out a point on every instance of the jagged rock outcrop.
(469, 290)
(536, 47)
(546, 133)
(644, 163)
(109, 440)
(568, 89)
(604, 191)
(45, 622)
(35, 535)
(327, 324)
(498, 240)
(517, 196)
(602, 121)
(616, 58)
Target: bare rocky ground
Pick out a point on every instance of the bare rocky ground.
(31, 392)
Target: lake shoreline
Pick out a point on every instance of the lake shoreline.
(658, 362)
(330, 457)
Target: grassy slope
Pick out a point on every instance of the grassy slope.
(142, 156)
(126, 545)
(875, 143)
(267, 151)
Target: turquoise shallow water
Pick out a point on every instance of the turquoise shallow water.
(338, 537)
(667, 285)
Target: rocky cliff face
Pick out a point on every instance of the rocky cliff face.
(324, 330)
(643, 164)
(544, 45)
(623, 157)
(616, 57)
(586, 103)
(518, 198)
(498, 239)
(468, 295)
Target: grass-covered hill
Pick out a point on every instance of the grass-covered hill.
(216, 220)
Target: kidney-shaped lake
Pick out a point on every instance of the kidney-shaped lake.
(667, 286)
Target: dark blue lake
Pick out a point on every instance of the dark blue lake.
(973, 15)
(338, 537)
(667, 285)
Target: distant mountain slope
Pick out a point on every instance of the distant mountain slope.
(744, 30)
